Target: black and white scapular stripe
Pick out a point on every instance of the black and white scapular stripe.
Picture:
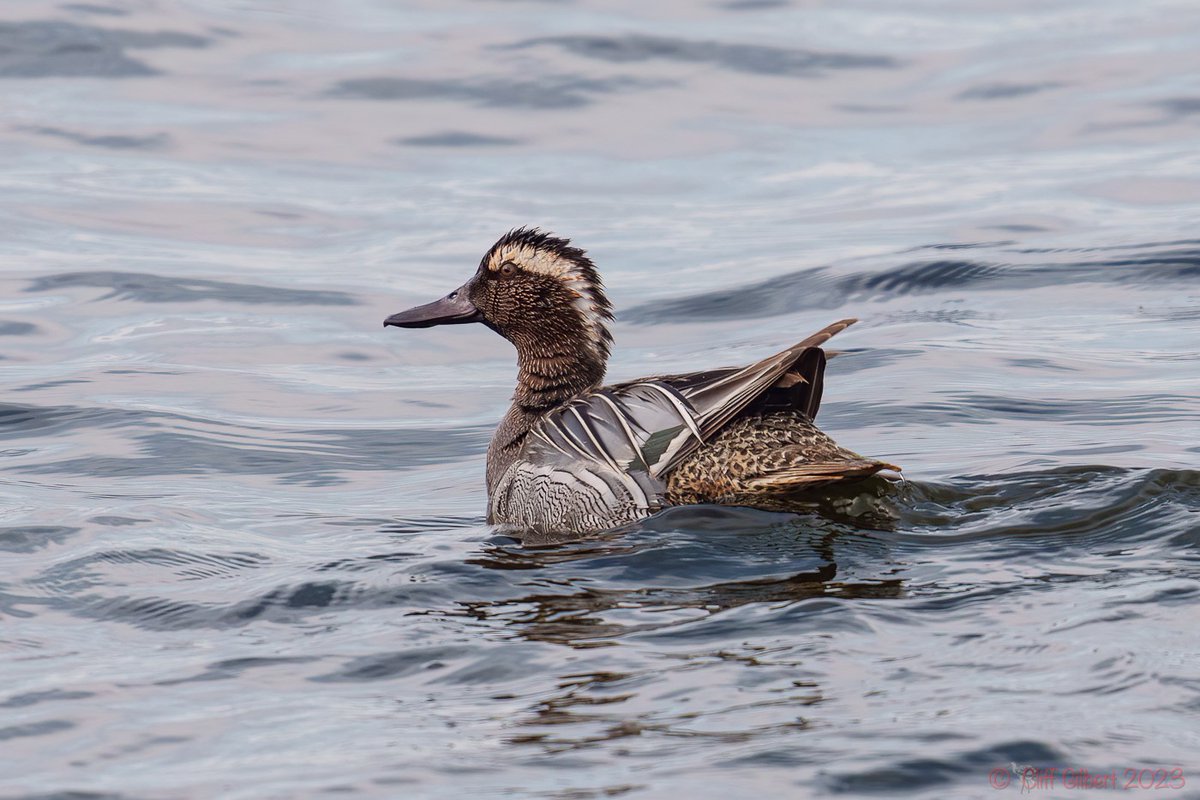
(601, 458)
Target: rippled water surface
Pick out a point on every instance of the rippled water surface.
(242, 545)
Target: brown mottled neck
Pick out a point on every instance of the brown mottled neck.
(547, 376)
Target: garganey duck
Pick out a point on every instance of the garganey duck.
(573, 456)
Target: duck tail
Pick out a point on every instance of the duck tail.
(799, 477)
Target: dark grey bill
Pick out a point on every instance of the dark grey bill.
(453, 309)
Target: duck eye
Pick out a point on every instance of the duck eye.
(508, 269)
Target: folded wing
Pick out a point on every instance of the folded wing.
(631, 435)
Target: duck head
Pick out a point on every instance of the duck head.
(535, 290)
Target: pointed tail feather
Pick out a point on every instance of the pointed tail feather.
(719, 402)
(803, 384)
(803, 476)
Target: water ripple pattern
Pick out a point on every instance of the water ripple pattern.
(242, 541)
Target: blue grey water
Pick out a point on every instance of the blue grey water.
(242, 541)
